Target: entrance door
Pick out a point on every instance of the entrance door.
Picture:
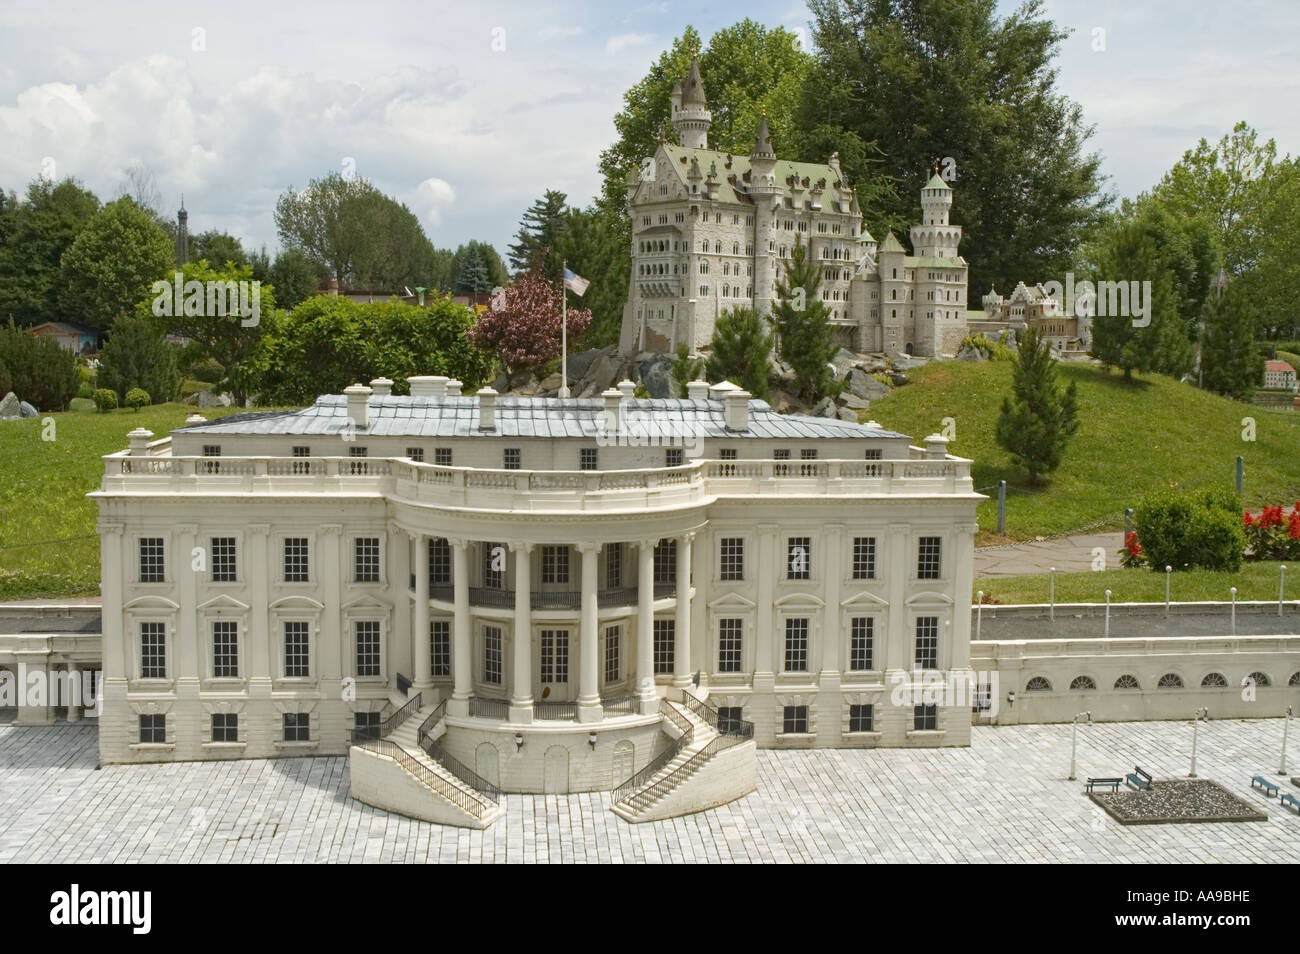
(555, 779)
(553, 682)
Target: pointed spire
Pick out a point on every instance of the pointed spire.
(763, 144)
(693, 88)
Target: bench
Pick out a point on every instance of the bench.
(1290, 801)
(1139, 779)
(1114, 783)
(1260, 782)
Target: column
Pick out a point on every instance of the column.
(588, 684)
(423, 650)
(462, 661)
(765, 570)
(645, 638)
(833, 639)
(32, 672)
(521, 700)
(682, 627)
(72, 688)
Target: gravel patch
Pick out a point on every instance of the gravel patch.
(1181, 801)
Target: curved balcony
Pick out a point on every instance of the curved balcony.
(491, 597)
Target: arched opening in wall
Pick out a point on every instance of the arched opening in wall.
(1294, 680)
(1170, 680)
(1083, 682)
(555, 771)
(487, 762)
(1260, 679)
(624, 763)
(909, 347)
(1038, 684)
(1214, 680)
(1127, 681)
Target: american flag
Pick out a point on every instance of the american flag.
(575, 283)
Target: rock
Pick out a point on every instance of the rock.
(549, 383)
(898, 378)
(851, 400)
(864, 385)
(602, 373)
(780, 401)
(208, 399)
(26, 410)
(502, 383)
(656, 375)
(842, 361)
(581, 362)
(847, 414)
(780, 370)
(824, 408)
(970, 354)
(9, 407)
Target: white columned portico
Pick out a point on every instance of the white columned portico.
(682, 627)
(645, 639)
(521, 700)
(462, 653)
(589, 709)
(421, 643)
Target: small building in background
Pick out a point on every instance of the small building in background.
(82, 340)
(1279, 376)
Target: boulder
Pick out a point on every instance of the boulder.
(549, 383)
(851, 400)
(847, 414)
(9, 407)
(580, 362)
(842, 361)
(824, 408)
(970, 354)
(26, 410)
(208, 399)
(656, 375)
(898, 378)
(602, 373)
(780, 401)
(780, 370)
(502, 383)
(864, 385)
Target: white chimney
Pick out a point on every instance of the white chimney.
(453, 387)
(196, 419)
(487, 409)
(382, 387)
(613, 410)
(139, 441)
(736, 413)
(627, 388)
(422, 385)
(358, 405)
(936, 447)
(697, 390)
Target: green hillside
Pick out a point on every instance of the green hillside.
(1133, 437)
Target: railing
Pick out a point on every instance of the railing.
(389, 725)
(469, 802)
(555, 711)
(656, 765)
(488, 708)
(619, 705)
(427, 726)
(548, 599)
(460, 770)
(732, 728)
(663, 786)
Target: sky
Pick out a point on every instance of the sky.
(469, 112)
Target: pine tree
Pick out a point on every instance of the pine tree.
(539, 235)
(804, 339)
(741, 351)
(473, 278)
(1231, 364)
(1035, 427)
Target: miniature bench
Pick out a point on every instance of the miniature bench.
(1290, 801)
(1114, 783)
(1260, 782)
(1139, 779)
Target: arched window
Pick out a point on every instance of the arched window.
(1214, 680)
(1083, 682)
(1170, 680)
(1038, 684)
(1127, 681)
(1294, 680)
(1260, 679)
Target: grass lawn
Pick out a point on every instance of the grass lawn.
(1256, 581)
(48, 545)
(1134, 437)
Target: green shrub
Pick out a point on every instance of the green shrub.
(137, 398)
(6, 383)
(1182, 530)
(138, 356)
(207, 370)
(685, 368)
(105, 399)
(993, 350)
(40, 372)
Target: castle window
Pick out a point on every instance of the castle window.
(717, 248)
(704, 268)
(735, 248)
(704, 289)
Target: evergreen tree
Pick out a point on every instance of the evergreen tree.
(497, 275)
(1231, 363)
(741, 351)
(685, 368)
(803, 328)
(536, 243)
(472, 277)
(1039, 419)
(137, 355)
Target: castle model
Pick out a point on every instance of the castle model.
(712, 232)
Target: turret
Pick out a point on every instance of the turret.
(763, 190)
(691, 116)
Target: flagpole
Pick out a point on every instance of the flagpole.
(564, 333)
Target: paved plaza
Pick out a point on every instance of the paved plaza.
(1006, 798)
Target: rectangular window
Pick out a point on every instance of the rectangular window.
(861, 718)
(492, 655)
(587, 458)
(494, 565)
(359, 466)
(983, 701)
(781, 470)
(301, 450)
(613, 565)
(416, 454)
(925, 718)
(928, 558)
(798, 564)
(152, 560)
(297, 649)
(613, 654)
(225, 649)
(666, 562)
(794, 720)
(731, 558)
(555, 564)
(360, 452)
(796, 645)
(295, 560)
(440, 637)
(864, 558)
(367, 636)
(862, 631)
(366, 559)
(665, 639)
(223, 559)
(368, 721)
(442, 456)
(927, 642)
(297, 727)
(153, 729)
(439, 562)
(729, 644)
(153, 650)
(673, 457)
(808, 470)
(555, 656)
(510, 458)
(211, 466)
(225, 727)
(730, 717)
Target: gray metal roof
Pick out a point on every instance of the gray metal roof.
(405, 416)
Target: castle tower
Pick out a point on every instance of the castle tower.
(935, 237)
(763, 189)
(182, 235)
(691, 116)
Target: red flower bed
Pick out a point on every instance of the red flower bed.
(1274, 533)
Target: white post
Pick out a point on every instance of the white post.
(1281, 587)
(564, 333)
(1108, 612)
(1168, 571)
(1233, 591)
(1074, 738)
(1202, 713)
(1051, 595)
(979, 612)
(1281, 766)
(521, 700)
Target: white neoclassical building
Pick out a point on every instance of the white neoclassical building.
(526, 594)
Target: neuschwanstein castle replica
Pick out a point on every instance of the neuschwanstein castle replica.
(712, 231)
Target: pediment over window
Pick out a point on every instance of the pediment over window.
(366, 602)
(224, 601)
(929, 598)
(299, 603)
(864, 599)
(731, 600)
(800, 599)
(152, 603)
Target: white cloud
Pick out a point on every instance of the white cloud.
(622, 41)
(437, 194)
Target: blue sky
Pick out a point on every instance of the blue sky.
(231, 103)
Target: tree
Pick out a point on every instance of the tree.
(217, 248)
(110, 267)
(38, 370)
(803, 330)
(929, 80)
(472, 276)
(294, 276)
(594, 242)
(685, 367)
(539, 233)
(1231, 364)
(34, 234)
(525, 330)
(1039, 418)
(472, 283)
(741, 351)
(137, 355)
